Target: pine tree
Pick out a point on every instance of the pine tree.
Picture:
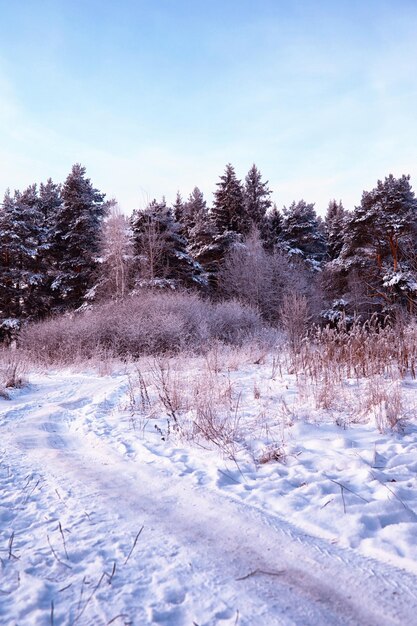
(76, 239)
(256, 199)
(302, 235)
(380, 243)
(228, 212)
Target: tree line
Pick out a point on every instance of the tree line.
(64, 245)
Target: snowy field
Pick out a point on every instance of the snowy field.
(204, 492)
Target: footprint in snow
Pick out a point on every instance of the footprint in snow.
(50, 427)
(75, 404)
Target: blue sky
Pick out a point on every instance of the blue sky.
(157, 96)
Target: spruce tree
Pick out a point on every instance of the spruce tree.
(36, 299)
(229, 212)
(334, 223)
(257, 199)
(21, 271)
(194, 210)
(271, 233)
(9, 258)
(178, 211)
(204, 242)
(76, 237)
(50, 202)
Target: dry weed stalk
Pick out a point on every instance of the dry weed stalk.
(378, 356)
(272, 453)
(13, 366)
(383, 400)
(362, 351)
(215, 412)
(170, 390)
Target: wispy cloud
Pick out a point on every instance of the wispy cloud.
(159, 97)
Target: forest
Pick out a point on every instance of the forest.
(64, 247)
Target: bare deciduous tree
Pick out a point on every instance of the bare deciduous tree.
(116, 253)
(152, 249)
(255, 276)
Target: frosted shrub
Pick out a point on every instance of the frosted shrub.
(231, 322)
(256, 277)
(148, 323)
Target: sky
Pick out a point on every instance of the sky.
(157, 96)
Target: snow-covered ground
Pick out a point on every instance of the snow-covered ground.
(116, 509)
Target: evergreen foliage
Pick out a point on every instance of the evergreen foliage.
(21, 270)
(76, 237)
(380, 243)
(335, 223)
(272, 231)
(203, 244)
(160, 250)
(178, 212)
(257, 199)
(229, 212)
(57, 250)
(302, 234)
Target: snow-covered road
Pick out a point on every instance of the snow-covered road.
(94, 531)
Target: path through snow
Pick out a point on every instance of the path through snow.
(76, 494)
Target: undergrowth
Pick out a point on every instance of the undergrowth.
(148, 324)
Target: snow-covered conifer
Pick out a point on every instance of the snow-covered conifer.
(302, 234)
(22, 273)
(334, 224)
(380, 242)
(228, 212)
(160, 250)
(272, 230)
(257, 199)
(76, 238)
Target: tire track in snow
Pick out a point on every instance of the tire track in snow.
(237, 552)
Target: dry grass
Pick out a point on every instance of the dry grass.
(356, 373)
(383, 401)
(198, 352)
(363, 351)
(212, 401)
(205, 403)
(272, 453)
(13, 369)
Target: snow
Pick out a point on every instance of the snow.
(111, 515)
(10, 324)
